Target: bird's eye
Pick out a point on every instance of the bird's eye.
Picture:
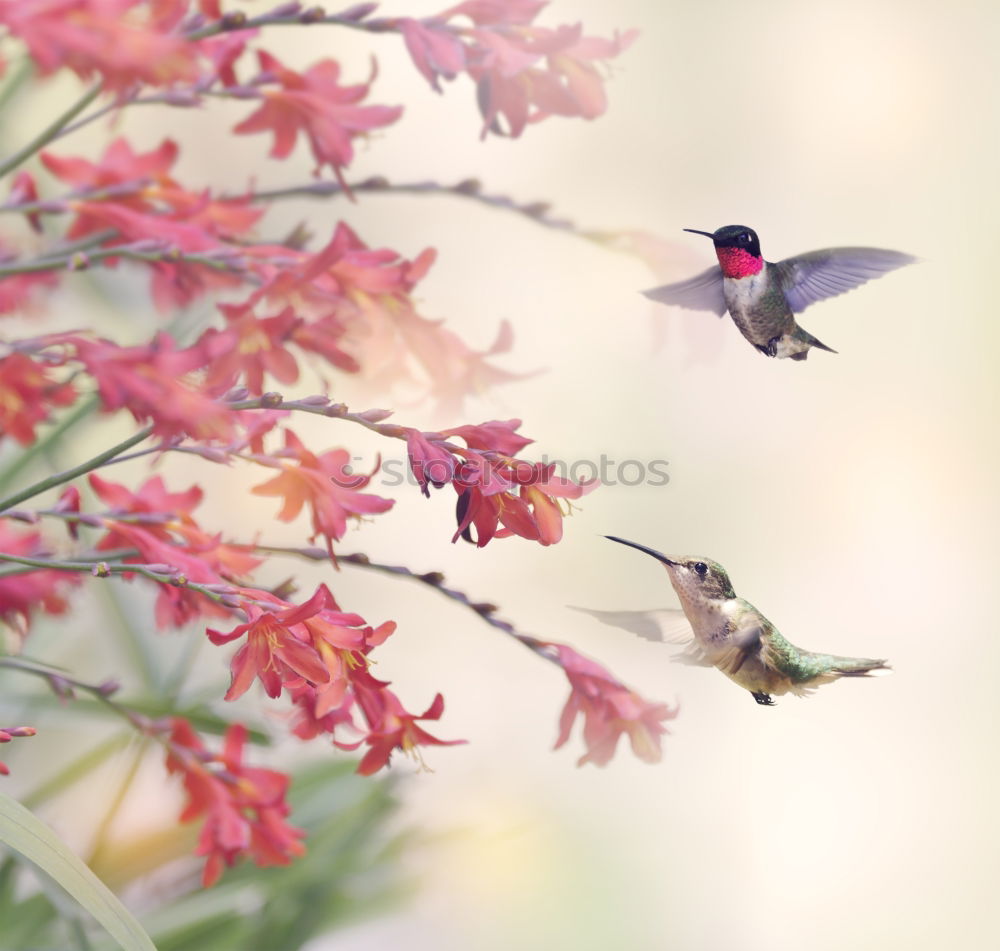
(700, 568)
(744, 238)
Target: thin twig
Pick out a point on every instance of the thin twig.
(60, 478)
(432, 579)
(51, 131)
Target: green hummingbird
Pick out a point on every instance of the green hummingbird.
(731, 634)
(763, 297)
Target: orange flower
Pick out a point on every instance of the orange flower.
(327, 485)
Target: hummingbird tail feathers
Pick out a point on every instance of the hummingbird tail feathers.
(803, 335)
(861, 667)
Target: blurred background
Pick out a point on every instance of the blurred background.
(851, 497)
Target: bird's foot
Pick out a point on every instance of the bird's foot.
(772, 346)
(764, 699)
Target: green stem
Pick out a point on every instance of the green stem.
(61, 478)
(50, 132)
(171, 255)
(18, 78)
(79, 412)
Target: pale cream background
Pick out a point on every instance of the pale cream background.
(851, 497)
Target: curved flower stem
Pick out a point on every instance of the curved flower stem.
(294, 15)
(470, 189)
(50, 132)
(63, 684)
(433, 579)
(79, 260)
(162, 574)
(61, 478)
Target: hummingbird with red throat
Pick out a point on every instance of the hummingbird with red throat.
(763, 297)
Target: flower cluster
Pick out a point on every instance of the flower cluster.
(494, 488)
(259, 312)
(524, 73)
(243, 809)
(318, 654)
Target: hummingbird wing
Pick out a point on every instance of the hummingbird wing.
(807, 278)
(701, 292)
(661, 625)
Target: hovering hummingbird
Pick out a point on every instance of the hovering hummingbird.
(731, 634)
(763, 297)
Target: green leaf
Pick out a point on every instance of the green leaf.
(26, 834)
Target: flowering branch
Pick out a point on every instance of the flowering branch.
(224, 595)
(58, 259)
(293, 14)
(609, 708)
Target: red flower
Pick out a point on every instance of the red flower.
(430, 462)
(18, 291)
(277, 649)
(109, 37)
(119, 166)
(8, 733)
(152, 498)
(609, 709)
(23, 189)
(390, 727)
(251, 347)
(327, 484)
(26, 395)
(315, 104)
(244, 808)
(23, 594)
(176, 283)
(150, 381)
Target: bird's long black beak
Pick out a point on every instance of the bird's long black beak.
(648, 551)
(707, 234)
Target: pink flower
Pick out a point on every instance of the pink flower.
(315, 104)
(609, 709)
(120, 40)
(150, 381)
